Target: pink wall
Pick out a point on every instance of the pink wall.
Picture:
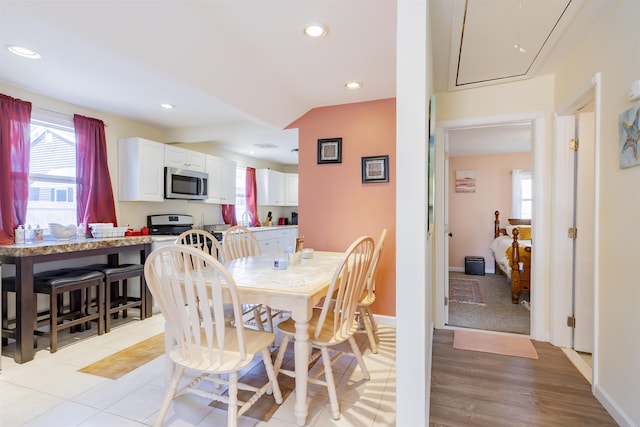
(335, 207)
(471, 214)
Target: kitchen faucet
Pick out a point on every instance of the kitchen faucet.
(247, 219)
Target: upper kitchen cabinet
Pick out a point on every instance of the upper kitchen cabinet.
(270, 185)
(277, 188)
(291, 189)
(181, 158)
(140, 170)
(222, 180)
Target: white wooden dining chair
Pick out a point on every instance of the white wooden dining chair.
(363, 312)
(240, 242)
(202, 240)
(188, 286)
(335, 322)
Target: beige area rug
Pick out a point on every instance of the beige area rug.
(493, 343)
(127, 360)
(466, 291)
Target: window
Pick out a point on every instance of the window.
(241, 195)
(52, 174)
(521, 204)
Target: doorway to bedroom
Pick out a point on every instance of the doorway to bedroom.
(498, 159)
(480, 157)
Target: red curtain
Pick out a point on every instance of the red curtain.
(229, 214)
(251, 189)
(15, 149)
(95, 194)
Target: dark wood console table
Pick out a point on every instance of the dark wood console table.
(25, 256)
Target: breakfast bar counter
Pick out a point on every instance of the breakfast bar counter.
(24, 256)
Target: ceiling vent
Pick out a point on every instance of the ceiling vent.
(266, 145)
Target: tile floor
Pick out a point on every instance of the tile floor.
(49, 391)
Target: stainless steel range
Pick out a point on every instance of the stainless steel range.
(165, 228)
(169, 225)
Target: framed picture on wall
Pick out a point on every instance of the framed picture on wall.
(375, 169)
(330, 150)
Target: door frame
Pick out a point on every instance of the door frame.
(538, 293)
(561, 292)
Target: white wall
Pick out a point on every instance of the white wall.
(611, 47)
(413, 287)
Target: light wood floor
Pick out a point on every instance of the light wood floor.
(470, 388)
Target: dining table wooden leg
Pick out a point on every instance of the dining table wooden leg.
(301, 352)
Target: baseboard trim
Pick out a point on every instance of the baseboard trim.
(385, 320)
(580, 364)
(487, 270)
(612, 407)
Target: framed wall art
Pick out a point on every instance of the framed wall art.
(629, 137)
(375, 169)
(330, 150)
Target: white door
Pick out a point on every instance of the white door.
(573, 260)
(584, 260)
(447, 234)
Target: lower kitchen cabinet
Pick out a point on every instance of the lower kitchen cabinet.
(274, 241)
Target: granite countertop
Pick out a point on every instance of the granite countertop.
(61, 246)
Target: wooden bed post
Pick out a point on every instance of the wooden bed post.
(496, 233)
(515, 268)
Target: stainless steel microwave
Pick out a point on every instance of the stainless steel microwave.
(185, 184)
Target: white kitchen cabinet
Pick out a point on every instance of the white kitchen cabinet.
(270, 185)
(274, 241)
(140, 170)
(222, 180)
(181, 158)
(291, 189)
(228, 182)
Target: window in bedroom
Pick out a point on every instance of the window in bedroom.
(52, 174)
(522, 186)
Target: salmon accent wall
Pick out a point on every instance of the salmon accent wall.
(335, 207)
(471, 215)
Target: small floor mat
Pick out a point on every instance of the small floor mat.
(493, 343)
(465, 291)
(127, 360)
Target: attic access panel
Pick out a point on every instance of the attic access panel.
(485, 32)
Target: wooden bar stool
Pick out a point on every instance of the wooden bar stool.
(117, 297)
(56, 283)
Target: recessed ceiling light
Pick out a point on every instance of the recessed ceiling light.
(24, 52)
(316, 31)
(353, 85)
(168, 106)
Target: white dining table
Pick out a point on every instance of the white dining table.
(297, 289)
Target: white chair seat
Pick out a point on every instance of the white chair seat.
(254, 342)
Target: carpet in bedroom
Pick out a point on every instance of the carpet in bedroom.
(497, 313)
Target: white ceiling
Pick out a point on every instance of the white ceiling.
(240, 71)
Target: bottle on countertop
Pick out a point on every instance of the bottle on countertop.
(38, 234)
(82, 232)
(28, 235)
(19, 235)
